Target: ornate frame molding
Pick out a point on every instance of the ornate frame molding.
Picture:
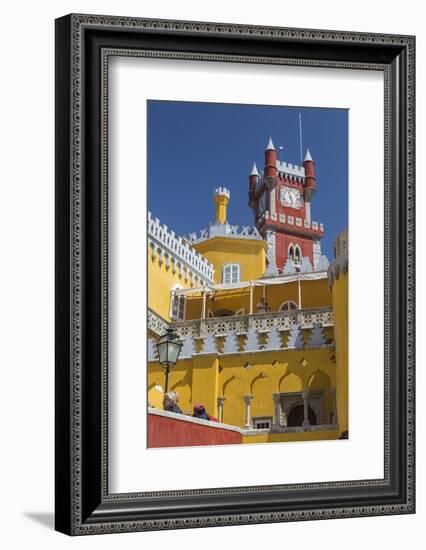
(84, 44)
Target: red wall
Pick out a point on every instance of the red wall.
(170, 432)
(283, 241)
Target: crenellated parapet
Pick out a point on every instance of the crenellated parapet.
(176, 253)
(295, 224)
(225, 230)
(222, 191)
(294, 172)
(285, 171)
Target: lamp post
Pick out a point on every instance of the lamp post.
(168, 347)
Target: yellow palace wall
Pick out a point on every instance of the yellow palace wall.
(298, 436)
(340, 307)
(249, 253)
(313, 294)
(204, 378)
(161, 280)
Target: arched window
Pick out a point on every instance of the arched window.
(231, 274)
(288, 306)
(297, 254)
(177, 304)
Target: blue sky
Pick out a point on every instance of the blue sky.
(195, 147)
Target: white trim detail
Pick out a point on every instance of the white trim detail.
(231, 274)
(289, 304)
(222, 191)
(161, 240)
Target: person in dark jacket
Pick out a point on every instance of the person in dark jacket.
(200, 412)
(170, 402)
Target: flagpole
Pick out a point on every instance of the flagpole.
(300, 138)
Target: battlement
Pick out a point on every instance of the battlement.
(312, 226)
(222, 191)
(225, 230)
(290, 169)
(178, 251)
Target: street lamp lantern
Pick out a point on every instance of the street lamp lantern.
(168, 347)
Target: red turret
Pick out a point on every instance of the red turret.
(310, 179)
(270, 165)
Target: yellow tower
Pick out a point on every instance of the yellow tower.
(221, 199)
(338, 281)
(237, 254)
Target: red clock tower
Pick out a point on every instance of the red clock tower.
(280, 197)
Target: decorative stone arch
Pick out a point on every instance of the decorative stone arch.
(256, 379)
(233, 390)
(262, 387)
(319, 380)
(288, 305)
(226, 384)
(290, 382)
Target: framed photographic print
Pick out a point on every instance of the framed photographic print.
(234, 274)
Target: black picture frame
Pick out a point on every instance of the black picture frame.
(83, 504)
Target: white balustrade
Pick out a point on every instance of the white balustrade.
(241, 324)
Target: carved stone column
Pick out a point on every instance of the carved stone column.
(248, 399)
(220, 401)
(305, 397)
(277, 411)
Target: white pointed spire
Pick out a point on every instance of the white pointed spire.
(254, 171)
(270, 145)
(308, 156)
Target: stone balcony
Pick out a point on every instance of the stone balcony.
(259, 322)
(270, 331)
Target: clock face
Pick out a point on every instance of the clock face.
(290, 197)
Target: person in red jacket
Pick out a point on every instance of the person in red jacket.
(200, 412)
